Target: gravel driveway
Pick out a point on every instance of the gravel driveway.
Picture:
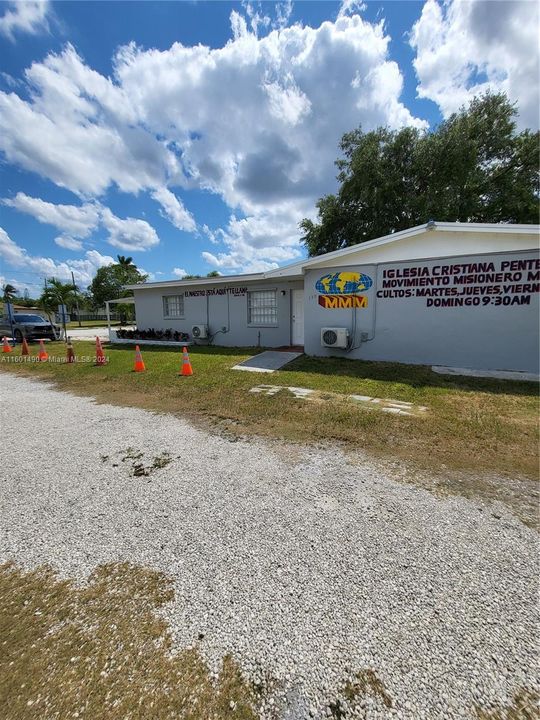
(86, 333)
(306, 567)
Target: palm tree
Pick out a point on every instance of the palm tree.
(58, 293)
(123, 260)
(49, 306)
(126, 272)
(9, 292)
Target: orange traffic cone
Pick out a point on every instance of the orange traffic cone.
(70, 353)
(6, 347)
(139, 364)
(100, 355)
(42, 354)
(186, 365)
(25, 350)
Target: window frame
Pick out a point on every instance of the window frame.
(163, 304)
(258, 323)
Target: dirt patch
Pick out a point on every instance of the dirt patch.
(101, 652)
(523, 706)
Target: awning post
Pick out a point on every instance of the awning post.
(108, 313)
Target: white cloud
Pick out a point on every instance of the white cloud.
(174, 210)
(34, 289)
(283, 13)
(467, 48)
(349, 7)
(68, 243)
(83, 269)
(257, 122)
(255, 17)
(287, 103)
(26, 16)
(78, 221)
(79, 130)
(213, 235)
(180, 272)
(129, 234)
(261, 242)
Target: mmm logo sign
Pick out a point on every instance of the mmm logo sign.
(343, 302)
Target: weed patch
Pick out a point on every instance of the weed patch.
(100, 651)
(523, 706)
(365, 684)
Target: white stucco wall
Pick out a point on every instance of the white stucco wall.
(228, 310)
(493, 329)
(480, 320)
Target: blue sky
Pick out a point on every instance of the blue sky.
(195, 136)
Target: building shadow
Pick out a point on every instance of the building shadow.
(415, 376)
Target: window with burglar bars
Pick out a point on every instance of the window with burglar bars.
(262, 307)
(173, 306)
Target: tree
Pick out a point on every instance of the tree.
(211, 274)
(109, 282)
(125, 269)
(58, 293)
(49, 306)
(9, 292)
(473, 167)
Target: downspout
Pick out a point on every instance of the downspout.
(374, 317)
(365, 337)
(108, 313)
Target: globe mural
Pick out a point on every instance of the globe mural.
(343, 283)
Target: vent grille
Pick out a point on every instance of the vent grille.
(330, 337)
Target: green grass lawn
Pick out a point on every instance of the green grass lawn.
(472, 426)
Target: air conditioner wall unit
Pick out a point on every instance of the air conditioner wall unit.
(334, 337)
(200, 332)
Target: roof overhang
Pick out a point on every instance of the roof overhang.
(221, 279)
(121, 301)
(297, 270)
(419, 230)
(214, 281)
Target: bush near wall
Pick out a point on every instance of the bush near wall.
(151, 334)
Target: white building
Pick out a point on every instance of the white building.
(453, 294)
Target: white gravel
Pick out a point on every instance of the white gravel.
(306, 567)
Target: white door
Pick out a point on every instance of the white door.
(297, 317)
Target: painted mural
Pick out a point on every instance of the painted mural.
(340, 290)
(343, 283)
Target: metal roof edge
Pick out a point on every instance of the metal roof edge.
(284, 271)
(197, 281)
(419, 229)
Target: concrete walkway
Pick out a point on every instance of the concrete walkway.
(267, 362)
(89, 333)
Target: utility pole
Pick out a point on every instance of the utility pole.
(76, 299)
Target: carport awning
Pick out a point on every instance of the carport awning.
(108, 303)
